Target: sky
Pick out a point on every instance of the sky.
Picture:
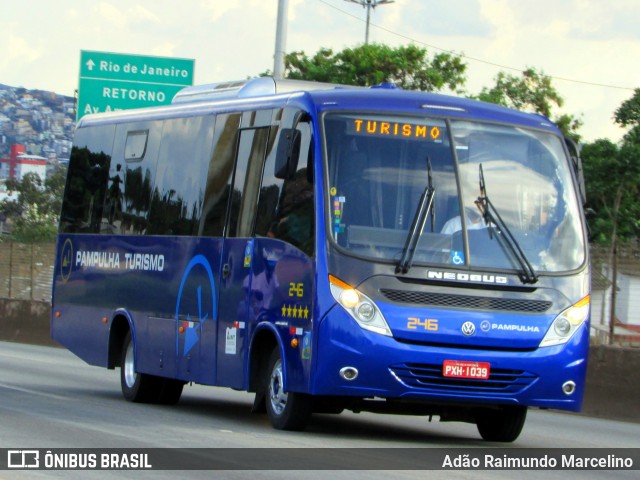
(590, 48)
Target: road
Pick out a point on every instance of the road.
(51, 399)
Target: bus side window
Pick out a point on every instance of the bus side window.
(128, 197)
(285, 207)
(177, 198)
(271, 186)
(216, 195)
(251, 151)
(87, 177)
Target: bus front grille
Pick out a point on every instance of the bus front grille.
(429, 377)
(466, 301)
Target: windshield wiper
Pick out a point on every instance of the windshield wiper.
(491, 217)
(419, 221)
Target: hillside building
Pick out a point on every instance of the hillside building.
(19, 163)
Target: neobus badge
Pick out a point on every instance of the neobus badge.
(396, 129)
(466, 277)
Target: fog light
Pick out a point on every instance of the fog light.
(349, 373)
(569, 387)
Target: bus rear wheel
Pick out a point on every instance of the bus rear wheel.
(136, 387)
(170, 391)
(286, 410)
(501, 425)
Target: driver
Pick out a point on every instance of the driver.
(474, 222)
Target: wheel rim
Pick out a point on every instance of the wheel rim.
(277, 395)
(128, 367)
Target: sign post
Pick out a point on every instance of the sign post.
(114, 81)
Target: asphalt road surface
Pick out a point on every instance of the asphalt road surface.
(49, 399)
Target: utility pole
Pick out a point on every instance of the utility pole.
(281, 39)
(369, 4)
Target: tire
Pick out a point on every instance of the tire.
(136, 387)
(501, 425)
(286, 410)
(170, 391)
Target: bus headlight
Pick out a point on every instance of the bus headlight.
(566, 324)
(359, 306)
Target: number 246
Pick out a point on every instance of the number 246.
(428, 324)
(296, 289)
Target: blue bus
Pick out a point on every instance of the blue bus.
(329, 248)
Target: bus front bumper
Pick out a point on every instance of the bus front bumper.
(352, 362)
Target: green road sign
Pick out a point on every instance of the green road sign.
(114, 81)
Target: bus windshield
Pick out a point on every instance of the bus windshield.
(380, 165)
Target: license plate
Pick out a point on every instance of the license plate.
(463, 369)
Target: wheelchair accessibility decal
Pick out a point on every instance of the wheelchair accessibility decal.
(196, 303)
(457, 257)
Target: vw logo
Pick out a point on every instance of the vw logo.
(468, 328)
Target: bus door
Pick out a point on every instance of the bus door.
(235, 281)
(282, 282)
(181, 301)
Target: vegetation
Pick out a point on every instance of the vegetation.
(532, 91)
(612, 175)
(408, 67)
(34, 215)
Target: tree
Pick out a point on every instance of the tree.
(612, 175)
(35, 214)
(596, 159)
(628, 115)
(407, 66)
(533, 91)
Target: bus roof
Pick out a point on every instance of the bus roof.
(266, 92)
(432, 104)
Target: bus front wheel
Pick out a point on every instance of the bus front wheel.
(286, 410)
(501, 425)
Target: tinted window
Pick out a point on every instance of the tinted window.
(128, 196)
(136, 145)
(286, 207)
(179, 187)
(251, 153)
(218, 178)
(86, 184)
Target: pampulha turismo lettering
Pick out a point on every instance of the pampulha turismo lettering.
(111, 261)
